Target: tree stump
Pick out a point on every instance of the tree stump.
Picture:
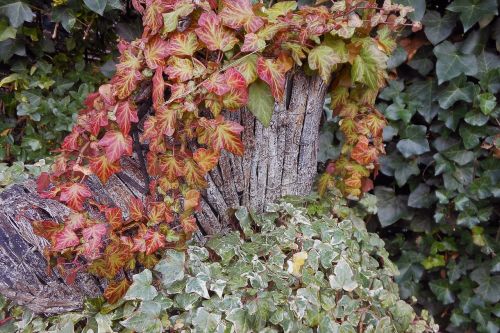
(278, 160)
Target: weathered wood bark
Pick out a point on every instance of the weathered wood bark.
(278, 160)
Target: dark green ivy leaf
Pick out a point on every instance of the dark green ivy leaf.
(391, 208)
(17, 13)
(441, 289)
(451, 63)
(414, 141)
(472, 11)
(438, 28)
(97, 6)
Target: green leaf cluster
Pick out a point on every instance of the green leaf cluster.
(442, 196)
(303, 266)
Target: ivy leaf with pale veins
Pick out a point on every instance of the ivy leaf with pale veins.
(171, 267)
(414, 141)
(343, 278)
(438, 28)
(472, 11)
(261, 102)
(390, 207)
(451, 63)
(17, 13)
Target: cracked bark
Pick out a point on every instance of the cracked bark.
(278, 160)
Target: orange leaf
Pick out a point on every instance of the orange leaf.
(191, 200)
(136, 209)
(227, 136)
(215, 36)
(154, 241)
(239, 13)
(114, 217)
(103, 168)
(179, 69)
(189, 224)
(237, 97)
(116, 290)
(116, 145)
(271, 72)
(126, 113)
(63, 239)
(156, 213)
(74, 195)
(206, 159)
(194, 175)
(363, 153)
(155, 52)
(172, 166)
(46, 228)
(182, 44)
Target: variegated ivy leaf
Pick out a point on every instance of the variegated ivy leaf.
(171, 267)
(343, 278)
(141, 288)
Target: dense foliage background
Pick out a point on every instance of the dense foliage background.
(437, 188)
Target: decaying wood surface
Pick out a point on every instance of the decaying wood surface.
(278, 160)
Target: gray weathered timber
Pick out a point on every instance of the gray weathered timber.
(278, 160)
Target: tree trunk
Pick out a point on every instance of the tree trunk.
(278, 160)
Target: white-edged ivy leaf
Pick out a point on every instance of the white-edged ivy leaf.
(141, 288)
(343, 277)
(414, 141)
(472, 11)
(240, 319)
(442, 290)
(261, 102)
(142, 322)
(390, 207)
(205, 322)
(171, 267)
(451, 63)
(97, 6)
(197, 285)
(438, 28)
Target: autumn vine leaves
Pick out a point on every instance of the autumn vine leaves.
(201, 58)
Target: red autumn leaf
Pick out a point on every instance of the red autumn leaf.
(103, 168)
(43, 181)
(182, 44)
(127, 74)
(116, 145)
(153, 18)
(375, 123)
(237, 97)
(179, 69)
(46, 228)
(366, 185)
(253, 43)
(114, 217)
(116, 290)
(166, 118)
(172, 166)
(226, 135)
(194, 176)
(63, 239)
(106, 94)
(156, 52)
(363, 153)
(239, 13)
(273, 73)
(94, 234)
(216, 84)
(75, 221)
(60, 165)
(153, 164)
(158, 88)
(215, 36)
(74, 195)
(156, 213)
(206, 159)
(71, 140)
(154, 241)
(136, 209)
(126, 113)
(189, 224)
(191, 200)
(116, 256)
(96, 120)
